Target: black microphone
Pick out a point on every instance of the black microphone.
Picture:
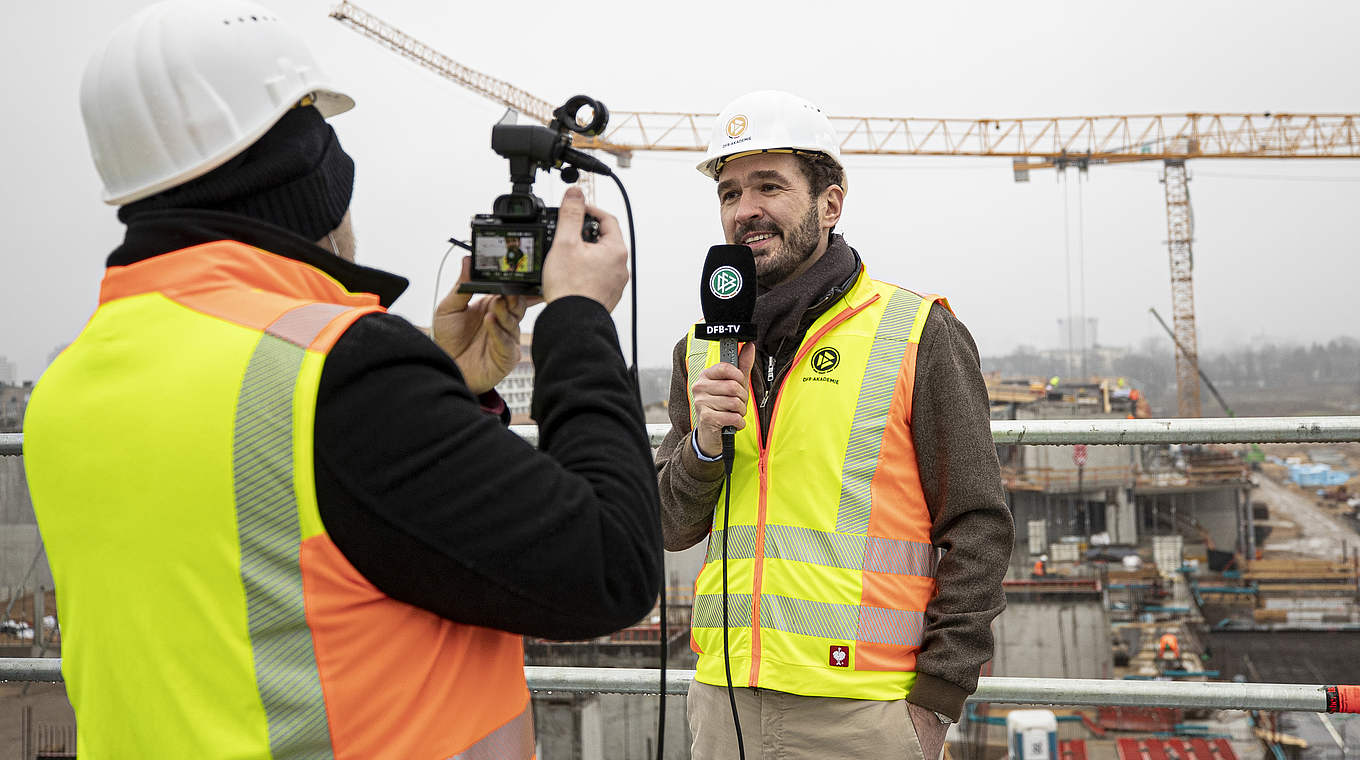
(727, 294)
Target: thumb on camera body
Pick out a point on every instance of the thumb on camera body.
(574, 267)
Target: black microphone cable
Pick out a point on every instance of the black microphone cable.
(729, 454)
(633, 330)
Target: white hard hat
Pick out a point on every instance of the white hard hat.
(765, 121)
(185, 85)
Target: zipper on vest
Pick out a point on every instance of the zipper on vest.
(763, 467)
(769, 381)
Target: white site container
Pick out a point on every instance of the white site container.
(1064, 552)
(1038, 536)
(1031, 735)
(1166, 553)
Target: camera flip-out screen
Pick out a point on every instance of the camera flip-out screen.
(507, 255)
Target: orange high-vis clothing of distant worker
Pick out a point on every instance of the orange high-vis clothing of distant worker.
(1168, 642)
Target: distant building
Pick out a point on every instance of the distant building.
(1066, 499)
(517, 389)
(13, 403)
(51, 357)
(9, 371)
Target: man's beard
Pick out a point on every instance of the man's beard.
(795, 246)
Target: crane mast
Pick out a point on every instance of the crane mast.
(1180, 231)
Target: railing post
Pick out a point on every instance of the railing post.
(39, 612)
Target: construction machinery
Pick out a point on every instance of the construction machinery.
(1031, 144)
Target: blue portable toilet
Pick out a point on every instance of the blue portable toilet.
(1031, 735)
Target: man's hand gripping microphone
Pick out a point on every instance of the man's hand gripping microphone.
(728, 296)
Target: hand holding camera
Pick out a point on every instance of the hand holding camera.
(577, 267)
(482, 337)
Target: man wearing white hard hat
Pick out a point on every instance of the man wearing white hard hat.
(868, 531)
(283, 522)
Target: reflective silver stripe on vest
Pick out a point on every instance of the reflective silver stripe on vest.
(741, 543)
(708, 611)
(871, 410)
(827, 621)
(301, 325)
(898, 627)
(814, 546)
(512, 741)
(696, 361)
(843, 622)
(891, 555)
(267, 525)
(817, 547)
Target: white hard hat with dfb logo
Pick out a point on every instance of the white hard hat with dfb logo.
(769, 121)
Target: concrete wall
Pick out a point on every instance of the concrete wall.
(1053, 638)
(1109, 509)
(1053, 467)
(607, 727)
(14, 504)
(1215, 510)
(19, 541)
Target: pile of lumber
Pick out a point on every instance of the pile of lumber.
(1272, 571)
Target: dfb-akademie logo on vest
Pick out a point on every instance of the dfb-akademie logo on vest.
(823, 361)
(725, 282)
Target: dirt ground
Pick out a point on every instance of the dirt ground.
(1321, 534)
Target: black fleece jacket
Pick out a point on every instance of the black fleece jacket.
(431, 498)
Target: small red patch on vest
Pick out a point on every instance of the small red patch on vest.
(839, 657)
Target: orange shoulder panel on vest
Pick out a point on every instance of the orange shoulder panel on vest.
(208, 279)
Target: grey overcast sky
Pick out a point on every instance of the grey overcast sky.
(1275, 240)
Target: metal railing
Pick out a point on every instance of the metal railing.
(1340, 429)
(1034, 691)
(1023, 691)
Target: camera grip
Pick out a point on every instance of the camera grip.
(590, 229)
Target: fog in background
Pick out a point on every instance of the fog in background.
(1275, 241)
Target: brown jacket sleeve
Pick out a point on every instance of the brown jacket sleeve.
(971, 522)
(689, 486)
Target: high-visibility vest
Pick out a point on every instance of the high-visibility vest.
(1168, 642)
(830, 563)
(205, 612)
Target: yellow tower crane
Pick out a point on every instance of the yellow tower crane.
(1031, 144)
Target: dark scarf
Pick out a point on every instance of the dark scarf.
(780, 310)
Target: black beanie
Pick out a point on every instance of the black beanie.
(296, 177)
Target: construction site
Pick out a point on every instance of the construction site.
(1222, 554)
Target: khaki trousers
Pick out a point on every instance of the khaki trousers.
(780, 726)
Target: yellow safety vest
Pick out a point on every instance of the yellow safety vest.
(205, 612)
(830, 562)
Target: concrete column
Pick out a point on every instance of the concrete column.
(1121, 516)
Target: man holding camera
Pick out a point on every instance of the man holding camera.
(867, 527)
(282, 522)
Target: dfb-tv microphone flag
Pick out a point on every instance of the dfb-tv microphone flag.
(727, 293)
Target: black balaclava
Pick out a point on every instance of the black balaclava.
(296, 177)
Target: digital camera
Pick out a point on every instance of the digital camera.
(510, 244)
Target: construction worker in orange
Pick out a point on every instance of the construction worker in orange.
(1169, 647)
(1040, 567)
(282, 521)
